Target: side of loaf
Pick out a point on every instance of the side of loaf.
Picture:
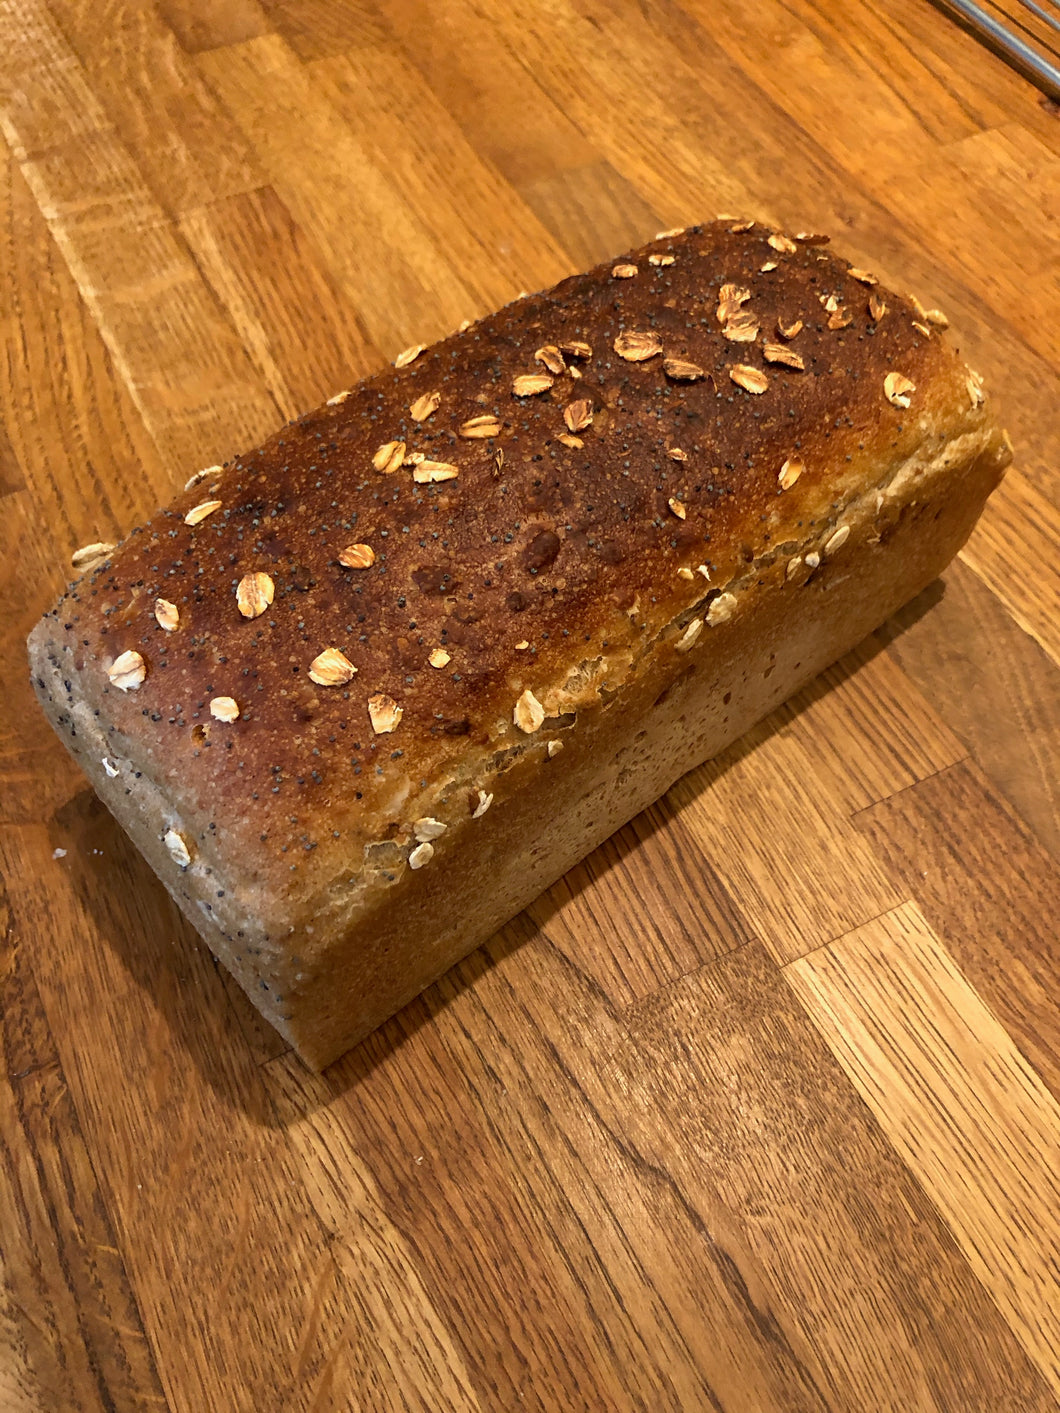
(360, 695)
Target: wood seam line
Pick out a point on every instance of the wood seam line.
(893, 794)
(1010, 605)
(866, 922)
(1007, 806)
(966, 759)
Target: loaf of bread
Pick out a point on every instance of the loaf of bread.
(360, 695)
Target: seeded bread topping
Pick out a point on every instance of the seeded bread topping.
(345, 638)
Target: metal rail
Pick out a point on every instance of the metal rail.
(1015, 43)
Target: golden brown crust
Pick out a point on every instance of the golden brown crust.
(644, 424)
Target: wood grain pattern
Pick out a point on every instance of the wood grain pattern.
(989, 890)
(904, 1023)
(996, 688)
(756, 1109)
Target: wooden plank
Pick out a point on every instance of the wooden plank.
(186, 147)
(237, 1300)
(992, 684)
(301, 332)
(1015, 550)
(88, 466)
(11, 478)
(641, 910)
(203, 24)
(853, 105)
(64, 1272)
(765, 822)
(989, 890)
(616, 92)
(1008, 169)
(869, 729)
(403, 285)
(960, 1103)
(20, 1390)
(479, 224)
(591, 211)
(850, 1258)
(66, 1305)
(961, 63)
(316, 29)
(399, 1351)
(482, 79)
(34, 776)
(176, 353)
(81, 446)
(572, 1273)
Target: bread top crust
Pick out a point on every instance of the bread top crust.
(539, 556)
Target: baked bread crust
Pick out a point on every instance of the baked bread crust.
(651, 499)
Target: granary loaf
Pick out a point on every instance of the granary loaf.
(360, 694)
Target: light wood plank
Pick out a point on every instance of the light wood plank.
(989, 890)
(397, 277)
(185, 145)
(1015, 550)
(959, 1102)
(88, 467)
(303, 335)
(176, 354)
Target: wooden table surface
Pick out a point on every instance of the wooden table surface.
(759, 1109)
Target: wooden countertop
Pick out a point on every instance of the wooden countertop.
(758, 1109)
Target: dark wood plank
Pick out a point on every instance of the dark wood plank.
(66, 1279)
(229, 1263)
(487, 86)
(591, 211)
(317, 29)
(990, 891)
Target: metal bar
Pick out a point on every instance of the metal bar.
(1042, 13)
(1016, 51)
